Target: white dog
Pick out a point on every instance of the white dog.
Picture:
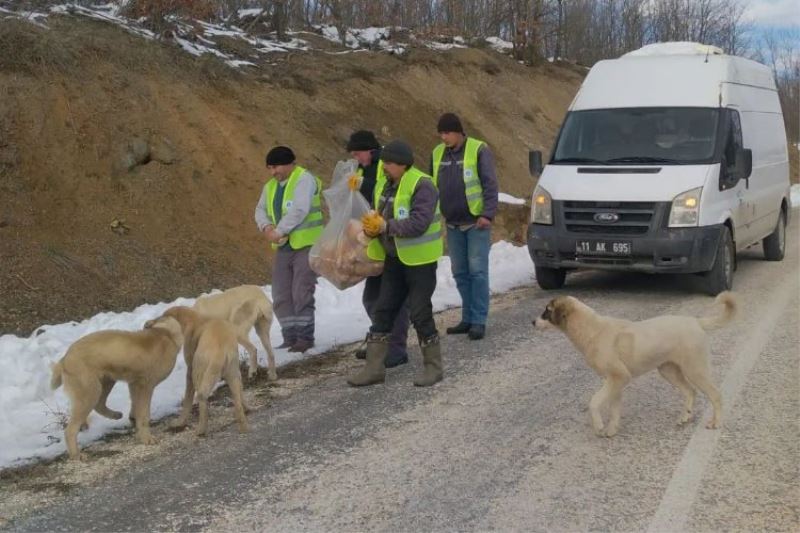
(619, 350)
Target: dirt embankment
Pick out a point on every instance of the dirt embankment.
(129, 170)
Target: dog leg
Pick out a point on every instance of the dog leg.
(596, 403)
(698, 376)
(202, 423)
(615, 408)
(262, 329)
(186, 405)
(234, 379)
(83, 397)
(101, 407)
(672, 373)
(141, 394)
(253, 353)
(617, 379)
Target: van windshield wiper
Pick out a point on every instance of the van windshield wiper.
(579, 160)
(644, 159)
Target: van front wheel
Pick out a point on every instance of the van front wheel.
(775, 243)
(550, 278)
(720, 277)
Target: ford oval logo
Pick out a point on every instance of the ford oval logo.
(606, 218)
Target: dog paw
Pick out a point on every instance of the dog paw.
(713, 424)
(610, 432)
(251, 373)
(244, 428)
(272, 375)
(84, 426)
(178, 425)
(685, 418)
(148, 440)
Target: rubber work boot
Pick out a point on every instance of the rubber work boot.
(373, 371)
(432, 363)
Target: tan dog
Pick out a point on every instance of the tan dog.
(246, 307)
(619, 350)
(95, 362)
(211, 352)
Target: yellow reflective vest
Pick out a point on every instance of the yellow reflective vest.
(472, 184)
(412, 251)
(307, 232)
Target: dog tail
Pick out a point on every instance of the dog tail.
(264, 308)
(210, 377)
(730, 306)
(56, 370)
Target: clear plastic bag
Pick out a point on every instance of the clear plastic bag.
(340, 254)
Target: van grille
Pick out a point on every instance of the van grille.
(635, 218)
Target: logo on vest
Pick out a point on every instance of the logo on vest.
(289, 204)
(468, 173)
(402, 213)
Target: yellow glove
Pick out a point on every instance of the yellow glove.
(374, 224)
(354, 182)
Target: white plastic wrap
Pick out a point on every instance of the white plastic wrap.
(340, 254)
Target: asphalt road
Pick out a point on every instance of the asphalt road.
(504, 442)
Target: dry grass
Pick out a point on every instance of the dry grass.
(28, 49)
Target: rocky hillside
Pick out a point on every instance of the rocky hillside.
(129, 168)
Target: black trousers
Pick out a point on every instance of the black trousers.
(399, 338)
(413, 285)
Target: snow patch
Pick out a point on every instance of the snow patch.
(508, 199)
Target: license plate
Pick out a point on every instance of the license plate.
(594, 247)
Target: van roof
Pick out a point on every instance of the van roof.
(668, 77)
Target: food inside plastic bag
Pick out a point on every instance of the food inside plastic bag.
(340, 254)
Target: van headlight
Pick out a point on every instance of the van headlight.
(685, 211)
(541, 206)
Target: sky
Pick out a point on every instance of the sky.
(774, 13)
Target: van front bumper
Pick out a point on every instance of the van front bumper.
(663, 250)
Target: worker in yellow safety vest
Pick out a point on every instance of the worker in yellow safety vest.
(406, 234)
(364, 148)
(289, 214)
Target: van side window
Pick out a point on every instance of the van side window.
(734, 141)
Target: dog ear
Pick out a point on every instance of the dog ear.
(560, 313)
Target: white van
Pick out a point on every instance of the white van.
(671, 159)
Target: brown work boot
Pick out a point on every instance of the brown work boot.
(431, 363)
(373, 371)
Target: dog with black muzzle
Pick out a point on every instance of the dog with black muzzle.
(620, 350)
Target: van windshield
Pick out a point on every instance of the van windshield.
(637, 136)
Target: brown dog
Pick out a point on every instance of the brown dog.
(211, 352)
(245, 307)
(95, 362)
(619, 350)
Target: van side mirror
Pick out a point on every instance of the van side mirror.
(744, 163)
(535, 165)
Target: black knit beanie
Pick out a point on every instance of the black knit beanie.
(398, 152)
(449, 122)
(280, 155)
(362, 140)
